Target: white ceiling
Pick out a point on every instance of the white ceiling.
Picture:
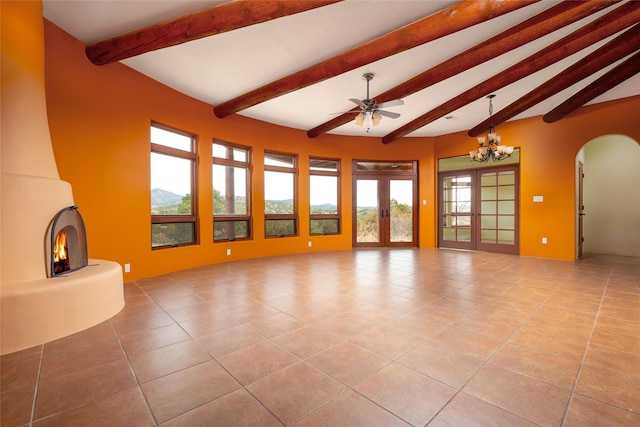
(221, 67)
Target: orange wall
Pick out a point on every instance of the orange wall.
(547, 168)
(99, 119)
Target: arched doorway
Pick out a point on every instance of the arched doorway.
(610, 196)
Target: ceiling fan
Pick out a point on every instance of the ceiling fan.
(370, 113)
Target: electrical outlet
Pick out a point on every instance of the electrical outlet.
(228, 252)
(309, 244)
(127, 268)
(544, 240)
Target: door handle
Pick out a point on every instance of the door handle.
(582, 214)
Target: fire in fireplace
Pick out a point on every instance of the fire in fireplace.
(60, 258)
(67, 243)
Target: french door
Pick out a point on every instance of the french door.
(478, 209)
(385, 200)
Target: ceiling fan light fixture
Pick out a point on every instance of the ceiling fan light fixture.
(376, 118)
(370, 112)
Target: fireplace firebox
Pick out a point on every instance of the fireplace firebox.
(67, 243)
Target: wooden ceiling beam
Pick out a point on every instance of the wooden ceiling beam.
(455, 18)
(623, 45)
(618, 19)
(609, 80)
(226, 17)
(535, 27)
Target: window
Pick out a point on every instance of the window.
(173, 188)
(231, 201)
(324, 202)
(280, 206)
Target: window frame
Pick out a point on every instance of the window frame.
(283, 169)
(337, 173)
(192, 156)
(248, 166)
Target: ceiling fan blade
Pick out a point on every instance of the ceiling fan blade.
(391, 103)
(349, 112)
(389, 114)
(358, 103)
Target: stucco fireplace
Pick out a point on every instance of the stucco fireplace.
(39, 305)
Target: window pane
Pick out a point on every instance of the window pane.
(323, 165)
(228, 152)
(172, 234)
(171, 139)
(384, 166)
(229, 190)
(230, 230)
(278, 192)
(323, 195)
(325, 226)
(170, 185)
(280, 227)
(282, 160)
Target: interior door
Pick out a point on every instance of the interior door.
(385, 199)
(580, 208)
(478, 209)
(497, 210)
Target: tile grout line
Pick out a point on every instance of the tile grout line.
(126, 356)
(586, 350)
(492, 356)
(35, 391)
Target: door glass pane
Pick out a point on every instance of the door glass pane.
(456, 194)
(488, 193)
(488, 208)
(367, 208)
(506, 178)
(464, 235)
(401, 210)
(488, 236)
(488, 179)
(506, 237)
(449, 233)
(506, 222)
(506, 208)
(488, 221)
(506, 193)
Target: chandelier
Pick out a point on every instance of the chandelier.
(489, 147)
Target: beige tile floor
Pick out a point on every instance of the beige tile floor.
(350, 338)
